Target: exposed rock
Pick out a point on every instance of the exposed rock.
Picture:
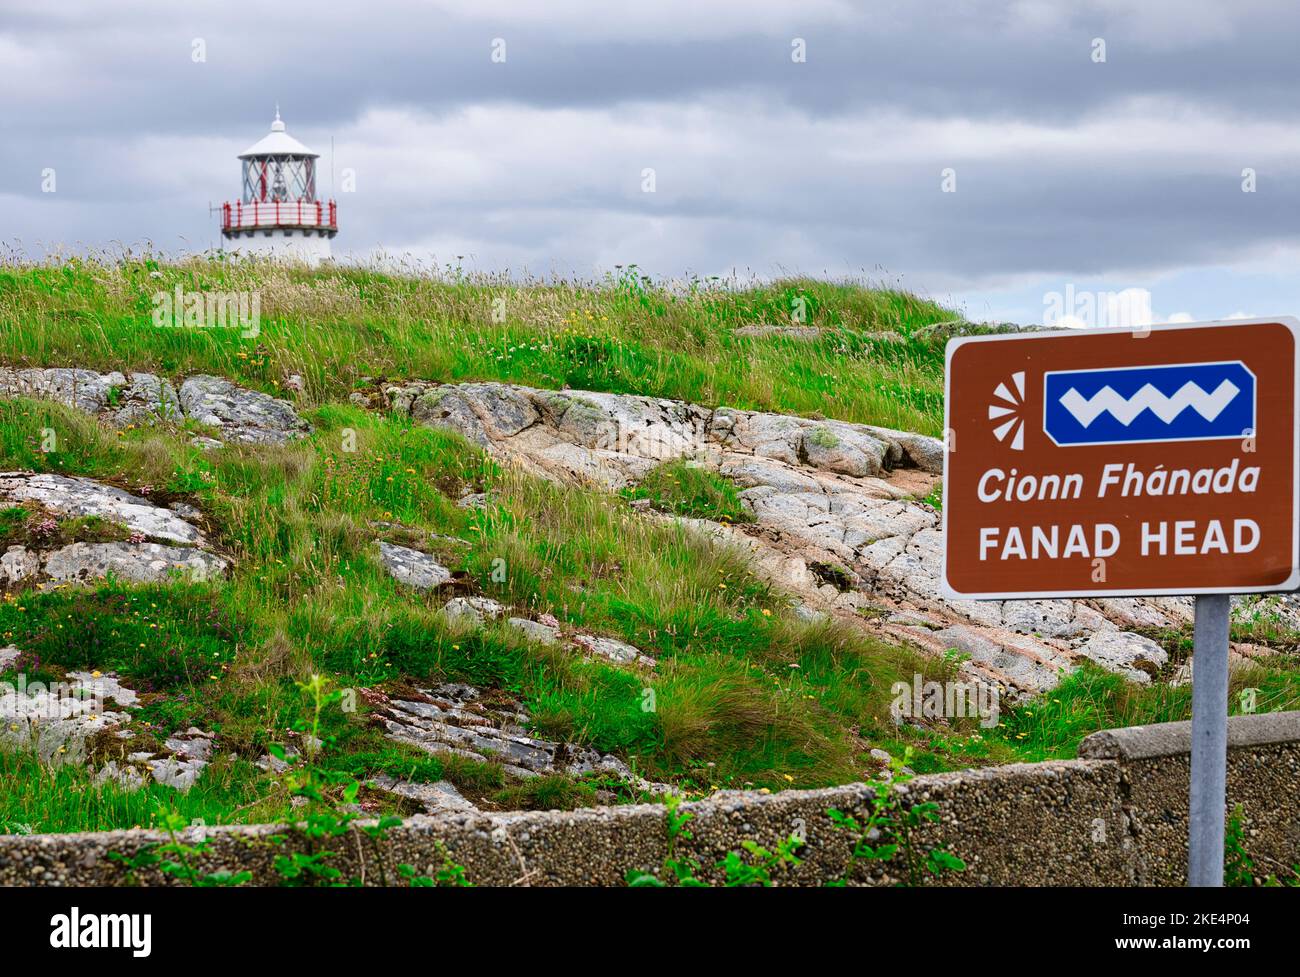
(1132, 655)
(783, 332)
(1133, 612)
(186, 511)
(186, 756)
(137, 560)
(242, 415)
(1272, 611)
(619, 652)
(749, 472)
(1050, 617)
(134, 562)
(461, 720)
(128, 776)
(808, 615)
(191, 752)
(436, 797)
(413, 568)
(178, 772)
(615, 438)
(144, 398)
(941, 332)
(536, 631)
(847, 453)
(477, 611)
(193, 744)
(73, 496)
(84, 390)
(103, 686)
(482, 412)
(121, 399)
(764, 435)
(18, 564)
(919, 450)
(273, 764)
(57, 723)
(1248, 650)
(55, 730)
(1001, 656)
(473, 610)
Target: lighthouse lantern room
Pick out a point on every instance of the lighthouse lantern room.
(278, 212)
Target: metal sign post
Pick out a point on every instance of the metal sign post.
(1206, 808)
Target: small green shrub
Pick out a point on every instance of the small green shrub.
(888, 833)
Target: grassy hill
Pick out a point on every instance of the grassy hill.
(747, 693)
(622, 335)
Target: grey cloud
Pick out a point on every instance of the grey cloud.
(942, 58)
(143, 138)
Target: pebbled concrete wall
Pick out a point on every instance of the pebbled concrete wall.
(1155, 769)
(1116, 816)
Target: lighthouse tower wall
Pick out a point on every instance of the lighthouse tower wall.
(289, 245)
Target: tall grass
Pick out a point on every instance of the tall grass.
(624, 334)
(744, 694)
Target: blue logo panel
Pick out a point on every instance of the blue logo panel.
(1179, 402)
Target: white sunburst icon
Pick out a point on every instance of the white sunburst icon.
(1006, 414)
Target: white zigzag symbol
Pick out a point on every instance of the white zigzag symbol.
(1106, 400)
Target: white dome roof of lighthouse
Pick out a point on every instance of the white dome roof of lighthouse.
(277, 143)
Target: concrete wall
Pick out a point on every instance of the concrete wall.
(1116, 816)
(1154, 765)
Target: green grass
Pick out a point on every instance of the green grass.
(745, 693)
(408, 763)
(178, 637)
(37, 799)
(685, 489)
(623, 334)
(1052, 725)
(308, 595)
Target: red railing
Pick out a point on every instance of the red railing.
(295, 213)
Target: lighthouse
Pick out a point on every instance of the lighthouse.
(278, 213)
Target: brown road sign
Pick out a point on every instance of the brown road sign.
(1122, 462)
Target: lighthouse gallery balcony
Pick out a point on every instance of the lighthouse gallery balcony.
(314, 216)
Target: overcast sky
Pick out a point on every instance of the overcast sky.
(1106, 175)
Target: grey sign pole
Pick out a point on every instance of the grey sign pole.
(1209, 740)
